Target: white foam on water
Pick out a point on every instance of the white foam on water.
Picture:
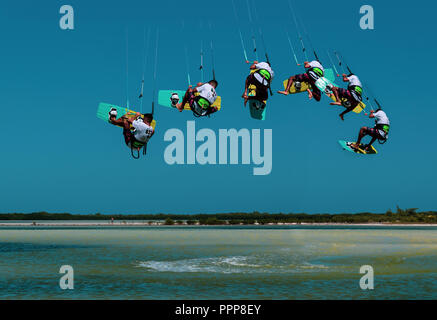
(231, 264)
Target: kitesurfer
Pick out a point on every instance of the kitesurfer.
(314, 71)
(379, 132)
(136, 131)
(200, 99)
(261, 76)
(352, 95)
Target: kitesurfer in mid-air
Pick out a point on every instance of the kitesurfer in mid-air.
(136, 131)
(261, 76)
(352, 95)
(314, 71)
(379, 132)
(200, 99)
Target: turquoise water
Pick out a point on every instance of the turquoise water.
(218, 262)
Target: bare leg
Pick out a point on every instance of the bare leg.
(120, 122)
(337, 98)
(289, 84)
(317, 94)
(370, 143)
(361, 135)
(310, 94)
(180, 106)
(345, 111)
(246, 85)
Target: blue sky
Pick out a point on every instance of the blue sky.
(57, 156)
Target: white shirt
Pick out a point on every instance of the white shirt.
(381, 118)
(316, 64)
(207, 91)
(142, 132)
(354, 81)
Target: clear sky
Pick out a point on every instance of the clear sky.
(57, 156)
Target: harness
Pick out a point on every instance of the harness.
(265, 74)
(356, 92)
(386, 129)
(200, 107)
(315, 73)
(137, 145)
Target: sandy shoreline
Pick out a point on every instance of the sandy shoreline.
(155, 224)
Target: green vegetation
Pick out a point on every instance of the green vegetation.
(406, 216)
(169, 222)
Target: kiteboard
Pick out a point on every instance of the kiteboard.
(257, 108)
(104, 108)
(358, 109)
(330, 75)
(347, 146)
(302, 88)
(327, 82)
(164, 99)
(322, 83)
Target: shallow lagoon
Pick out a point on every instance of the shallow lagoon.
(289, 262)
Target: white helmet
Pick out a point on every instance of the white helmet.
(113, 112)
(174, 98)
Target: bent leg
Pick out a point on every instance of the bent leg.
(371, 142)
(122, 122)
(187, 95)
(317, 94)
(363, 132)
(246, 85)
(353, 103)
(128, 136)
(289, 84)
(337, 97)
(345, 112)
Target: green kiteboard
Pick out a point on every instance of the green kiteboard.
(325, 83)
(346, 146)
(330, 75)
(104, 108)
(164, 99)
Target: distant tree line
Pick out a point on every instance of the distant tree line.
(399, 216)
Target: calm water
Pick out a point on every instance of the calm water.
(218, 262)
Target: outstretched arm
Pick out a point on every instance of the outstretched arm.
(345, 78)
